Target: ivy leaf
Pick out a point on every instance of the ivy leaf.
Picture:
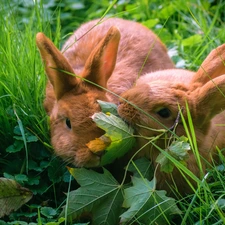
(12, 196)
(178, 150)
(147, 205)
(99, 197)
(117, 132)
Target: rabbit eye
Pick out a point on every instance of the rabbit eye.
(68, 124)
(164, 113)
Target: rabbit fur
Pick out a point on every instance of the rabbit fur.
(109, 54)
(159, 94)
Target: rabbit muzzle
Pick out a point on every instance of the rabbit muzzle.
(128, 113)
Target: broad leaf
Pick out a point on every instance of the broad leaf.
(147, 205)
(119, 134)
(99, 197)
(12, 196)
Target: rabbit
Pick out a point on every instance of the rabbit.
(100, 58)
(161, 95)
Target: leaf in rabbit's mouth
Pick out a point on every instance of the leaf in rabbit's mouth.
(99, 144)
(117, 140)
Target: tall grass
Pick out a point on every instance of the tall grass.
(24, 132)
(22, 78)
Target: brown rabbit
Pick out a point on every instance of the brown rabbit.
(159, 94)
(112, 55)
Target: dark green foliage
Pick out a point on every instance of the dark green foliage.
(99, 198)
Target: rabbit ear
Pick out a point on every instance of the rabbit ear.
(209, 100)
(213, 66)
(101, 62)
(56, 66)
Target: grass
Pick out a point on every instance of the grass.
(22, 79)
(190, 30)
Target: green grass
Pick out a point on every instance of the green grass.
(22, 80)
(191, 29)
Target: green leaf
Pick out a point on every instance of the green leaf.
(166, 165)
(55, 172)
(192, 40)
(17, 130)
(17, 222)
(3, 222)
(147, 205)
(20, 178)
(82, 224)
(32, 165)
(221, 203)
(21, 133)
(8, 176)
(178, 150)
(151, 23)
(120, 134)
(142, 167)
(167, 11)
(31, 138)
(108, 107)
(33, 180)
(16, 147)
(100, 195)
(61, 220)
(12, 196)
(48, 212)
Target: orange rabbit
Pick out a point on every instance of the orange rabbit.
(159, 94)
(111, 54)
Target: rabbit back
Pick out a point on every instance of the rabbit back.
(140, 51)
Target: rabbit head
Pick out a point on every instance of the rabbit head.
(71, 100)
(96, 56)
(155, 101)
